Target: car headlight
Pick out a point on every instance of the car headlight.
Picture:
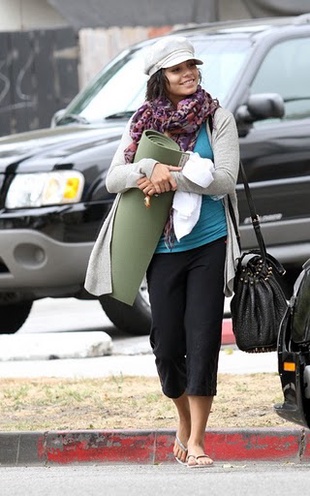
(45, 188)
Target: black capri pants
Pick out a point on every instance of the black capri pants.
(187, 302)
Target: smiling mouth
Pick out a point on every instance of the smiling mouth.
(189, 81)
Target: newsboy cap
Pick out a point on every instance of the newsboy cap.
(167, 52)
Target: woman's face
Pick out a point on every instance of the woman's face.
(183, 80)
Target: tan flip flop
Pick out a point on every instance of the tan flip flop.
(199, 465)
(183, 448)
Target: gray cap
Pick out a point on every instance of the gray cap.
(167, 52)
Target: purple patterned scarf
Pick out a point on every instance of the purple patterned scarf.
(182, 123)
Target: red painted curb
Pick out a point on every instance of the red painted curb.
(228, 336)
(151, 447)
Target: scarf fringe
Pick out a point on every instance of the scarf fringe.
(169, 234)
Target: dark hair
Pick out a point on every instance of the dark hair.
(157, 84)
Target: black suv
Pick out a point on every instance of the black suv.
(53, 195)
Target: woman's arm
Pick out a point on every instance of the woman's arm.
(122, 176)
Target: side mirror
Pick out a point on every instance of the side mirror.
(259, 107)
(265, 106)
(57, 116)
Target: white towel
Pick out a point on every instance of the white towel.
(199, 170)
(186, 211)
(186, 206)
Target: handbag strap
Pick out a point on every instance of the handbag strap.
(254, 216)
(253, 213)
(234, 221)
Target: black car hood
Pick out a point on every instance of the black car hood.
(45, 149)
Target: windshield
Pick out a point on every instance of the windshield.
(120, 88)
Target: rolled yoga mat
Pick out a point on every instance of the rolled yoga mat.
(136, 228)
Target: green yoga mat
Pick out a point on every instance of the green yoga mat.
(136, 228)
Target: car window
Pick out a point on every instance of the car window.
(223, 59)
(286, 70)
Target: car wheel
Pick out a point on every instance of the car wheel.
(13, 316)
(136, 319)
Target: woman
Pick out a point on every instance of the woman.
(193, 265)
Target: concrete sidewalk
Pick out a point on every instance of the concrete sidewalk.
(231, 361)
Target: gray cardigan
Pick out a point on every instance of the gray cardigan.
(122, 176)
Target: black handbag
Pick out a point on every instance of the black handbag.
(259, 303)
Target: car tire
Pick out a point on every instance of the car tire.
(135, 320)
(13, 316)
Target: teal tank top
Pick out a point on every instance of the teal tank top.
(211, 224)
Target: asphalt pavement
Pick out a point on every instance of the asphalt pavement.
(241, 479)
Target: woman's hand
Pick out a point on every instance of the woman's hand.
(161, 180)
(146, 185)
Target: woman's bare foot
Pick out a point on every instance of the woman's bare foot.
(179, 450)
(200, 407)
(183, 430)
(180, 445)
